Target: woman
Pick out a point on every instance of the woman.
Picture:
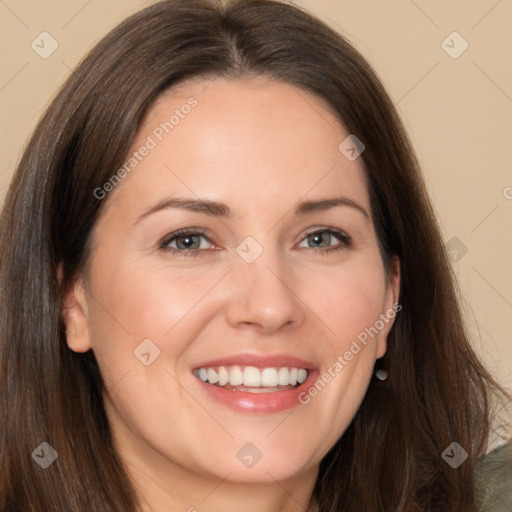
(172, 337)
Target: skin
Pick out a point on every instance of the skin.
(259, 146)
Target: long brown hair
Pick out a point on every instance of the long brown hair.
(437, 392)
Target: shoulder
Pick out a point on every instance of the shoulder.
(494, 480)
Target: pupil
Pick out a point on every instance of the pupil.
(188, 241)
(317, 237)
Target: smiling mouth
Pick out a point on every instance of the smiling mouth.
(252, 379)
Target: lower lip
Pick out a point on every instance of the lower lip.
(259, 402)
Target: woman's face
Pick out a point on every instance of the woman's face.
(277, 276)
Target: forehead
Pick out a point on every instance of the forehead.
(247, 142)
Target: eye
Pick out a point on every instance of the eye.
(186, 242)
(322, 239)
(193, 242)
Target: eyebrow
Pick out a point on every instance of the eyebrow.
(307, 207)
(217, 209)
(212, 208)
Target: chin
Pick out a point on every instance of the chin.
(250, 465)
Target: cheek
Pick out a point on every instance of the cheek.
(151, 301)
(133, 303)
(348, 299)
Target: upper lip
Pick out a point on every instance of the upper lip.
(260, 361)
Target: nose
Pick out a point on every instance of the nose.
(264, 296)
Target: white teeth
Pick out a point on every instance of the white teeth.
(302, 375)
(223, 376)
(262, 390)
(269, 377)
(236, 377)
(212, 376)
(252, 377)
(284, 376)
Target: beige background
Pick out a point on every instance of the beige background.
(458, 112)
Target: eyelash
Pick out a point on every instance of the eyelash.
(345, 241)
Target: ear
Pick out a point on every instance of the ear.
(75, 315)
(391, 304)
